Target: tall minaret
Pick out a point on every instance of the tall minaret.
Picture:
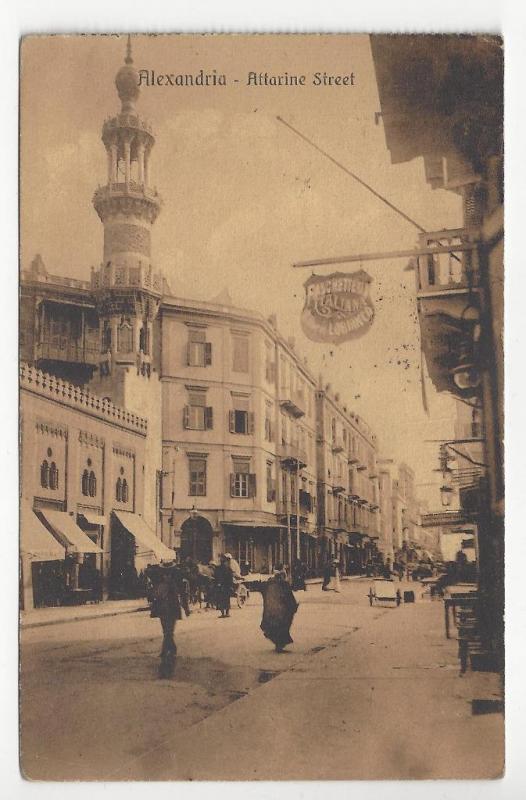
(126, 287)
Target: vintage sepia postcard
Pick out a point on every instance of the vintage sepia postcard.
(261, 407)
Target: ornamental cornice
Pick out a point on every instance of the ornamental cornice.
(121, 450)
(51, 429)
(91, 440)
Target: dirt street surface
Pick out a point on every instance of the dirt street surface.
(354, 698)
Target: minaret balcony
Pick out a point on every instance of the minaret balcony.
(110, 276)
(133, 121)
(132, 197)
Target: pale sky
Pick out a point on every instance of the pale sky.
(244, 198)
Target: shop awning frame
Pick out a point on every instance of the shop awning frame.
(69, 533)
(93, 518)
(146, 540)
(36, 542)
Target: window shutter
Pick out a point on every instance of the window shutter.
(208, 354)
(250, 422)
(209, 418)
(270, 431)
(252, 485)
(232, 485)
(186, 417)
(232, 421)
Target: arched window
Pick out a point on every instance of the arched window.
(85, 483)
(106, 337)
(118, 491)
(144, 343)
(92, 484)
(125, 337)
(44, 474)
(124, 491)
(53, 476)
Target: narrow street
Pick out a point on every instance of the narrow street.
(392, 706)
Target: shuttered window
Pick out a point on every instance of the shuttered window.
(241, 421)
(199, 351)
(239, 353)
(242, 481)
(197, 416)
(197, 474)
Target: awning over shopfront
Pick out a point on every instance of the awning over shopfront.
(35, 540)
(93, 518)
(67, 530)
(144, 537)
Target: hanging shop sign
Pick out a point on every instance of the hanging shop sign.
(337, 307)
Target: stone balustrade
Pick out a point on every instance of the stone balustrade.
(48, 386)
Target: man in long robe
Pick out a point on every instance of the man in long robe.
(279, 607)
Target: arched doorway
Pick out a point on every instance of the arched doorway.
(196, 540)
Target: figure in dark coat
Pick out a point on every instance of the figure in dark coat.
(299, 573)
(169, 597)
(279, 607)
(224, 581)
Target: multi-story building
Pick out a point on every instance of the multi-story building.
(238, 436)
(348, 483)
(388, 541)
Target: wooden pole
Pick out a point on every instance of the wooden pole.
(414, 253)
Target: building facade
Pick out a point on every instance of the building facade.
(450, 112)
(83, 486)
(348, 483)
(182, 426)
(238, 437)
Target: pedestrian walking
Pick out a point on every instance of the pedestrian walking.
(326, 577)
(169, 597)
(298, 576)
(279, 607)
(224, 580)
(334, 582)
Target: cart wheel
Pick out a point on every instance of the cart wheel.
(241, 596)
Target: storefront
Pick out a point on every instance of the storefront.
(82, 579)
(133, 547)
(256, 548)
(42, 567)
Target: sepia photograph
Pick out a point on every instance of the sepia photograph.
(261, 407)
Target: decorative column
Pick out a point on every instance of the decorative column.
(140, 162)
(114, 163)
(147, 166)
(127, 161)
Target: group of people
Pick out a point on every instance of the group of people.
(170, 596)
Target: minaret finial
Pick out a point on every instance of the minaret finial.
(128, 59)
